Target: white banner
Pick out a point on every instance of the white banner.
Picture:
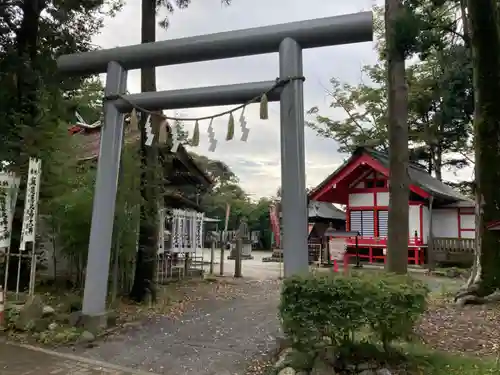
(31, 203)
(9, 187)
(161, 229)
(187, 231)
(337, 248)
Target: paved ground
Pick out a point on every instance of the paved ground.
(251, 268)
(215, 337)
(26, 360)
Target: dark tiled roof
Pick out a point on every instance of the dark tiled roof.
(325, 210)
(420, 177)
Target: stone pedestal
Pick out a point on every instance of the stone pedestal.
(246, 251)
(277, 256)
(94, 324)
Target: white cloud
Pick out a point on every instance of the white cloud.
(256, 162)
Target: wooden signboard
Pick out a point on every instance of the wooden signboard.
(336, 247)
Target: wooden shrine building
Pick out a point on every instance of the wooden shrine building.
(321, 217)
(439, 216)
(185, 180)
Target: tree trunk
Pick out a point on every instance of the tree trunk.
(485, 43)
(431, 263)
(28, 81)
(438, 162)
(148, 227)
(465, 22)
(397, 244)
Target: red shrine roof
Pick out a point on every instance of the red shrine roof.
(335, 188)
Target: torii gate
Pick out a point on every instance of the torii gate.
(288, 39)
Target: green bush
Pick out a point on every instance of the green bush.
(335, 310)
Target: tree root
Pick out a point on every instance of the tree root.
(470, 296)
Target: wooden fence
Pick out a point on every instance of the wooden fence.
(453, 250)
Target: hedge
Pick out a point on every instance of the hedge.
(338, 309)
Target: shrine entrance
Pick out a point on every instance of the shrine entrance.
(287, 39)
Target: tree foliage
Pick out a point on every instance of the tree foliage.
(453, 47)
(34, 34)
(150, 171)
(37, 105)
(440, 101)
(33, 101)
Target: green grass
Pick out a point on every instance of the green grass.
(435, 363)
(416, 359)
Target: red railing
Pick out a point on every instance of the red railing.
(379, 241)
(415, 250)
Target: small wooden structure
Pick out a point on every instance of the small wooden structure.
(330, 258)
(322, 216)
(184, 182)
(453, 250)
(437, 212)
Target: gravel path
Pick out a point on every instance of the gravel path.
(216, 336)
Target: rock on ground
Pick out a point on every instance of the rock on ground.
(320, 367)
(30, 313)
(287, 371)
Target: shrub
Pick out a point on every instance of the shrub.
(398, 302)
(332, 309)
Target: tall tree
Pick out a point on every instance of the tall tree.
(440, 100)
(150, 170)
(149, 217)
(399, 189)
(33, 34)
(485, 43)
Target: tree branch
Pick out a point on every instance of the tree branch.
(349, 114)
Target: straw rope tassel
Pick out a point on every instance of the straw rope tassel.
(134, 120)
(264, 111)
(243, 126)
(230, 128)
(211, 137)
(195, 140)
(175, 138)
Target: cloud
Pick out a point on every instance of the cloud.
(256, 162)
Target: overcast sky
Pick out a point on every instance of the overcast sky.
(256, 162)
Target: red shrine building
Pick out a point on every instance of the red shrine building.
(436, 211)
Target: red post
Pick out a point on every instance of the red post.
(335, 266)
(2, 309)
